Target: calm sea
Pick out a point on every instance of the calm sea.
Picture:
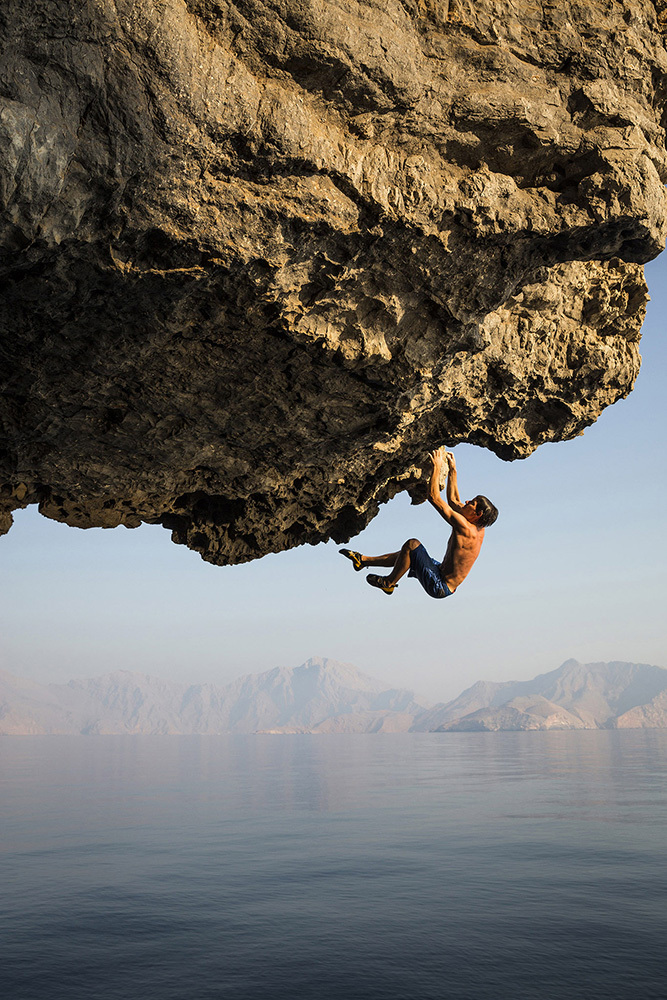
(445, 866)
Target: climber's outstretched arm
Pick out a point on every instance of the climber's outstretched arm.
(453, 497)
(451, 511)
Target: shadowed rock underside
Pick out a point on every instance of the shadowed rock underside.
(257, 258)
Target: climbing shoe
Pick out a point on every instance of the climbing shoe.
(355, 558)
(381, 583)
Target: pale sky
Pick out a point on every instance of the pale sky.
(574, 567)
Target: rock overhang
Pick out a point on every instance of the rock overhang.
(257, 258)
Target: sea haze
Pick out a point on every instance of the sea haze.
(473, 866)
(325, 697)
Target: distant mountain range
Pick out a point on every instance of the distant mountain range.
(323, 696)
(575, 696)
(319, 696)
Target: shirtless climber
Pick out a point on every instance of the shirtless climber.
(468, 521)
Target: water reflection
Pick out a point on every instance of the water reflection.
(596, 775)
(502, 864)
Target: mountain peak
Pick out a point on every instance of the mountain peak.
(589, 696)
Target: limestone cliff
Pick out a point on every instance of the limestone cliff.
(256, 257)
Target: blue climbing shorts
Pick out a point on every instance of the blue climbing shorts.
(427, 571)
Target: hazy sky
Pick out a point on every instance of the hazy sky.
(574, 567)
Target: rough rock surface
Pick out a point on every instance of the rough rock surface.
(257, 257)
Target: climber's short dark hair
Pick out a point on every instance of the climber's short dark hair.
(489, 513)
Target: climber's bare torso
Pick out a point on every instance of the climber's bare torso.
(463, 548)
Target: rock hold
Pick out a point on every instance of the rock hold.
(257, 258)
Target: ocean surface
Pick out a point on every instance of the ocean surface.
(457, 866)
